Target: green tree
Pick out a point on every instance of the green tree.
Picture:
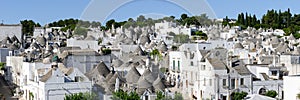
(99, 41)
(181, 38)
(110, 23)
(28, 26)
(81, 31)
(95, 24)
(141, 18)
(178, 96)
(173, 17)
(159, 95)
(81, 96)
(154, 52)
(271, 93)
(191, 21)
(202, 35)
(31, 96)
(225, 21)
(72, 24)
(184, 16)
(238, 95)
(133, 96)
(106, 51)
(122, 95)
(2, 65)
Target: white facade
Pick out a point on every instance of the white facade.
(227, 35)
(57, 85)
(14, 66)
(176, 61)
(292, 63)
(257, 70)
(38, 31)
(83, 44)
(291, 87)
(85, 60)
(166, 27)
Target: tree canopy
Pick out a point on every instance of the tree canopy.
(81, 96)
(271, 93)
(272, 19)
(122, 95)
(181, 38)
(238, 95)
(28, 26)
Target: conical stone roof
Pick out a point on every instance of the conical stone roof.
(143, 83)
(41, 40)
(116, 62)
(238, 45)
(158, 84)
(100, 69)
(139, 51)
(148, 75)
(90, 38)
(132, 76)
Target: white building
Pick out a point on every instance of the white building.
(261, 70)
(166, 27)
(38, 31)
(88, 43)
(292, 63)
(56, 82)
(84, 60)
(291, 87)
(227, 35)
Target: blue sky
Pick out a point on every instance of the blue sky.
(45, 11)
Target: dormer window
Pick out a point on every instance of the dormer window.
(274, 73)
(77, 79)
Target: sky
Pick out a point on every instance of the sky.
(46, 11)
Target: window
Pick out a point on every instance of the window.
(192, 63)
(242, 81)
(192, 77)
(274, 73)
(186, 83)
(210, 82)
(204, 81)
(203, 67)
(224, 82)
(77, 79)
(232, 82)
(178, 65)
(173, 64)
(10, 53)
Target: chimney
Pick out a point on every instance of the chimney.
(54, 65)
